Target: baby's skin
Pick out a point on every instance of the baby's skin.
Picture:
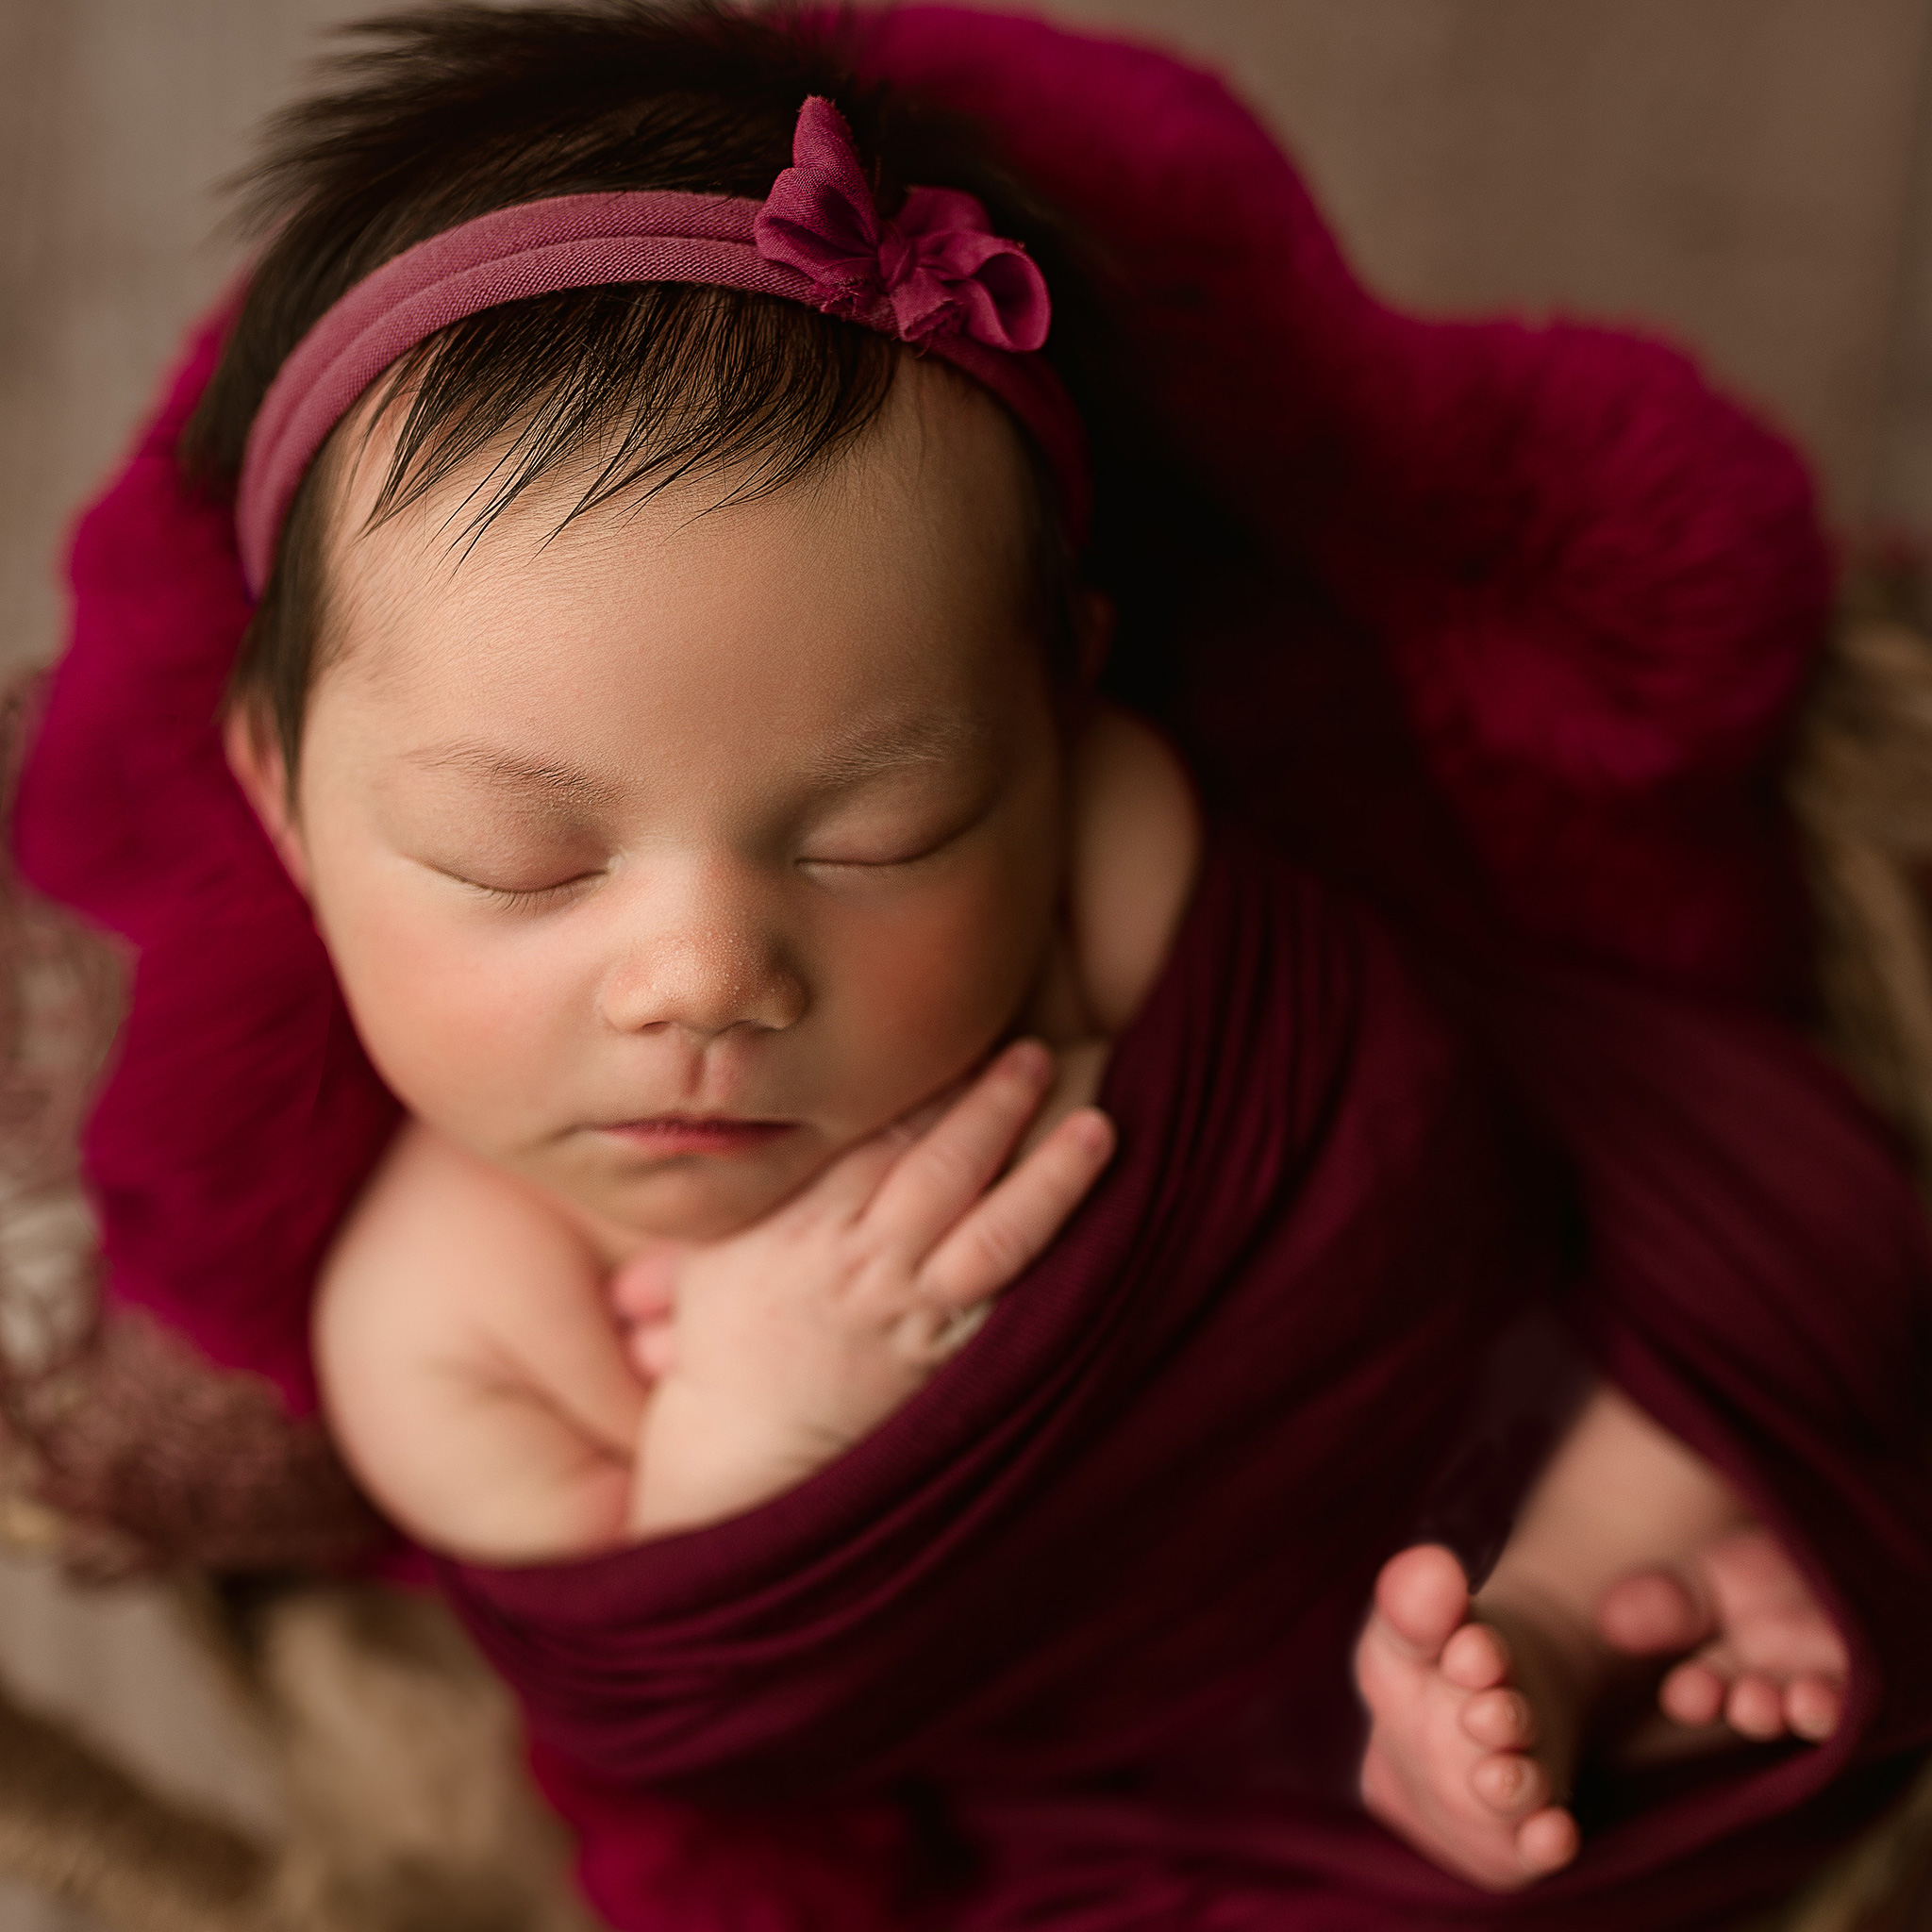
(506, 1393)
(742, 909)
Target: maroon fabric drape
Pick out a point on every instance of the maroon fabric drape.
(1090, 1595)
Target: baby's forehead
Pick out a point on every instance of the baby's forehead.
(935, 495)
(869, 615)
(837, 760)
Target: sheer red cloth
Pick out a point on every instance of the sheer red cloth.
(1062, 1645)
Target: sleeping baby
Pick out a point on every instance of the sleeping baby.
(678, 705)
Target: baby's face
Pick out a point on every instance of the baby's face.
(664, 858)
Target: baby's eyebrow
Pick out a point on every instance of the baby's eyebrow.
(549, 775)
(931, 742)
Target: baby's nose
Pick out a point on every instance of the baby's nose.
(703, 984)
(713, 964)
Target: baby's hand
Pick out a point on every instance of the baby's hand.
(1766, 1659)
(774, 1350)
(643, 1297)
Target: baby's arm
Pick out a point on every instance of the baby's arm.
(1477, 1710)
(472, 1371)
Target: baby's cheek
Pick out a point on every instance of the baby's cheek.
(460, 1036)
(927, 996)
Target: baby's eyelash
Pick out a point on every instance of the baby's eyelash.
(533, 895)
(874, 864)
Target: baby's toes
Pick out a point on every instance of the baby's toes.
(1650, 1613)
(1510, 1784)
(1756, 1708)
(1813, 1707)
(1547, 1841)
(1422, 1598)
(1476, 1658)
(1499, 1720)
(1694, 1695)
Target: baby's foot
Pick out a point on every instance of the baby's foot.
(1771, 1661)
(1451, 1763)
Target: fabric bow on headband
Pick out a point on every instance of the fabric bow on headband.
(938, 268)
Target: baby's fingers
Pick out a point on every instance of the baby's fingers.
(653, 1349)
(1002, 1235)
(1653, 1612)
(645, 1289)
(847, 1186)
(942, 1174)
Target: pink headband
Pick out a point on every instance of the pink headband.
(937, 277)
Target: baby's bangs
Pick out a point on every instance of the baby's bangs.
(634, 388)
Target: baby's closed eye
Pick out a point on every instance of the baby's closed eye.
(882, 845)
(897, 818)
(526, 896)
(492, 854)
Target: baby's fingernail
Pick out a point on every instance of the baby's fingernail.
(1092, 1130)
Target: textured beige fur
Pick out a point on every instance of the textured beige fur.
(1861, 783)
(403, 1766)
(77, 1827)
(401, 1774)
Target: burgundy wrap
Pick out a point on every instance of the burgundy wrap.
(1531, 609)
(1089, 1600)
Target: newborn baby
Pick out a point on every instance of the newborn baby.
(733, 895)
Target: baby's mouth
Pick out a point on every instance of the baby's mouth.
(668, 1134)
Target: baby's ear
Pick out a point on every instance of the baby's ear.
(255, 757)
(1094, 620)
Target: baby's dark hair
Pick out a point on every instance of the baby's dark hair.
(442, 115)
